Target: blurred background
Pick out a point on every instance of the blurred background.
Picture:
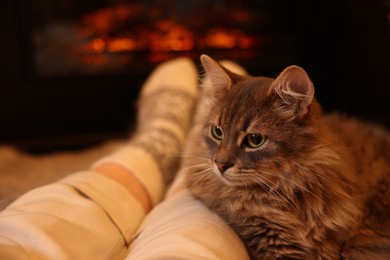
(70, 71)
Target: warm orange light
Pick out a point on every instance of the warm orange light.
(187, 44)
(98, 45)
(105, 20)
(245, 42)
(220, 38)
(113, 30)
(121, 44)
(94, 59)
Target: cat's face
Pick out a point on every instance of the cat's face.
(253, 132)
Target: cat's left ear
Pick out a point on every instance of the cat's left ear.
(216, 73)
(295, 89)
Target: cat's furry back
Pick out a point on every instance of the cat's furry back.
(294, 183)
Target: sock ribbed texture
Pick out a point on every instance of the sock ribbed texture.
(164, 114)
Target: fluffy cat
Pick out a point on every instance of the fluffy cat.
(292, 182)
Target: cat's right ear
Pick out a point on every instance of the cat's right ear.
(295, 88)
(216, 73)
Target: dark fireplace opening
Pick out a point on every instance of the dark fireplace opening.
(106, 37)
(73, 69)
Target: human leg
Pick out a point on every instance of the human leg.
(181, 227)
(95, 213)
(153, 154)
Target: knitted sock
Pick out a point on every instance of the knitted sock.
(164, 114)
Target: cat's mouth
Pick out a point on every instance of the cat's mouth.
(227, 176)
(241, 178)
(232, 177)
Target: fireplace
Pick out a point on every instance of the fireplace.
(119, 37)
(69, 38)
(73, 69)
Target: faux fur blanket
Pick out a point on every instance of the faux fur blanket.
(20, 172)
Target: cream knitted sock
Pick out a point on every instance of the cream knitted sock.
(164, 114)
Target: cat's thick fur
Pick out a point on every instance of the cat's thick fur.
(318, 187)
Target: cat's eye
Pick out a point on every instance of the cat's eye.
(255, 140)
(216, 132)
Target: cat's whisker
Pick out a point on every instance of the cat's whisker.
(184, 155)
(263, 182)
(206, 167)
(245, 180)
(285, 197)
(193, 166)
(248, 177)
(202, 175)
(295, 183)
(194, 156)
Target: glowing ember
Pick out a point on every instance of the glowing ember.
(98, 45)
(121, 44)
(161, 36)
(115, 36)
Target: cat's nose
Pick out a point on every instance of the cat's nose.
(223, 166)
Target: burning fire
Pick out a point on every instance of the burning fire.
(110, 39)
(161, 36)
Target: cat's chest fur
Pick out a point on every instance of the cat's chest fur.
(270, 228)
